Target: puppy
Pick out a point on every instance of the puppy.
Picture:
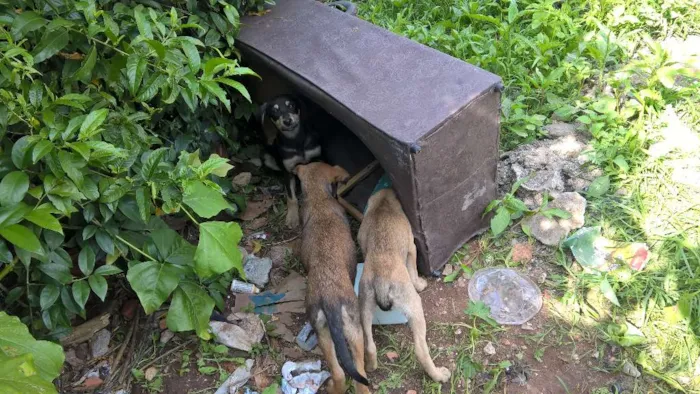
(291, 142)
(328, 254)
(390, 277)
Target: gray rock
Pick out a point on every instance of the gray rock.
(257, 270)
(449, 269)
(629, 369)
(279, 253)
(242, 179)
(551, 231)
(489, 350)
(99, 343)
(552, 166)
(244, 331)
(560, 129)
(72, 359)
(166, 336)
(82, 351)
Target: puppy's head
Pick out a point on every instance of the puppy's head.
(321, 175)
(283, 111)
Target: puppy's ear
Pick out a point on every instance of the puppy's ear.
(339, 174)
(298, 169)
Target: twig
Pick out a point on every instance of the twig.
(124, 372)
(169, 352)
(285, 240)
(124, 344)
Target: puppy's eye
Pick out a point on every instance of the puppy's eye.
(291, 106)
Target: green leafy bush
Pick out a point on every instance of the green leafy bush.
(106, 110)
(26, 365)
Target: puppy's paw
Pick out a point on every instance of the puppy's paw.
(442, 375)
(371, 362)
(292, 219)
(420, 284)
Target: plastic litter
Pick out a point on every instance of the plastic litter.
(595, 252)
(307, 339)
(238, 286)
(303, 377)
(512, 298)
(392, 316)
(237, 379)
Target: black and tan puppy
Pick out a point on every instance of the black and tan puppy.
(390, 277)
(328, 254)
(290, 143)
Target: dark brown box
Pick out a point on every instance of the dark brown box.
(431, 120)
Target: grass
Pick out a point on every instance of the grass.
(602, 64)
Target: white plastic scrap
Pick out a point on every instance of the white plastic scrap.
(303, 377)
(238, 378)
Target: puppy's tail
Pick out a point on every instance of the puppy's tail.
(334, 316)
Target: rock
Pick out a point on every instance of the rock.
(489, 350)
(522, 252)
(560, 129)
(82, 351)
(528, 326)
(392, 356)
(411, 392)
(257, 270)
(242, 179)
(166, 336)
(629, 369)
(129, 308)
(552, 165)
(278, 254)
(247, 330)
(462, 282)
(237, 379)
(99, 343)
(551, 231)
(257, 223)
(150, 373)
(449, 268)
(72, 359)
(91, 383)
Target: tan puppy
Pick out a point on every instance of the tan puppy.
(390, 277)
(328, 254)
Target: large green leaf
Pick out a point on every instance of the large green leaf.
(98, 284)
(142, 23)
(190, 309)
(217, 251)
(192, 53)
(41, 149)
(91, 124)
(21, 151)
(500, 222)
(86, 260)
(73, 165)
(20, 375)
(205, 201)
(172, 247)
(81, 292)
(57, 271)
(13, 188)
(26, 22)
(153, 282)
(15, 340)
(84, 73)
(22, 237)
(42, 217)
(214, 88)
(50, 45)
(13, 214)
(135, 68)
(49, 295)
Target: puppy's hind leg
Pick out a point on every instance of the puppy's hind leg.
(292, 219)
(336, 385)
(354, 335)
(411, 306)
(418, 283)
(367, 307)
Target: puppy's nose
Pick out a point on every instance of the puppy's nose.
(287, 121)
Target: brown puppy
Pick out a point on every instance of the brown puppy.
(328, 254)
(390, 277)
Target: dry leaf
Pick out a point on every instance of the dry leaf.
(256, 208)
